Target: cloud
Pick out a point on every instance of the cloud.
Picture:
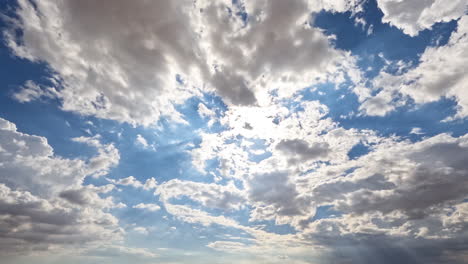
(43, 201)
(141, 141)
(400, 195)
(30, 158)
(149, 207)
(126, 63)
(31, 91)
(89, 196)
(149, 184)
(273, 196)
(141, 230)
(300, 150)
(414, 16)
(121, 252)
(131, 62)
(416, 131)
(210, 195)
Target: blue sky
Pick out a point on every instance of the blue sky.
(233, 131)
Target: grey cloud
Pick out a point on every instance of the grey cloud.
(77, 196)
(274, 190)
(385, 250)
(439, 177)
(303, 150)
(30, 221)
(415, 191)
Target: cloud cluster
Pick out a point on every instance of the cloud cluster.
(131, 62)
(400, 194)
(278, 156)
(44, 205)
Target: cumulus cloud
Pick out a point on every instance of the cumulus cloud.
(43, 201)
(132, 62)
(300, 150)
(30, 158)
(405, 192)
(400, 192)
(414, 16)
(126, 63)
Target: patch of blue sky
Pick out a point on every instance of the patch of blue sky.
(257, 150)
(37, 117)
(358, 150)
(141, 217)
(324, 212)
(241, 13)
(169, 158)
(171, 231)
(260, 156)
(384, 39)
(271, 227)
(189, 110)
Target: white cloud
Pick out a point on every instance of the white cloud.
(30, 158)
(121, 63)
(141, 230)
(149, 207)
(414, 16)
(141, 141)
(416, 131)
(150, 183)
(32, 91)
(207, 113)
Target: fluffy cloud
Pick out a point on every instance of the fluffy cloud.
(300, 150)
(43, 202)
(403, 194)
(399, 194)
(414, 16)
(298, 140)
(127, 63)
(280, 157)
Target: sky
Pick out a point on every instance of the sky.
(234, 131)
